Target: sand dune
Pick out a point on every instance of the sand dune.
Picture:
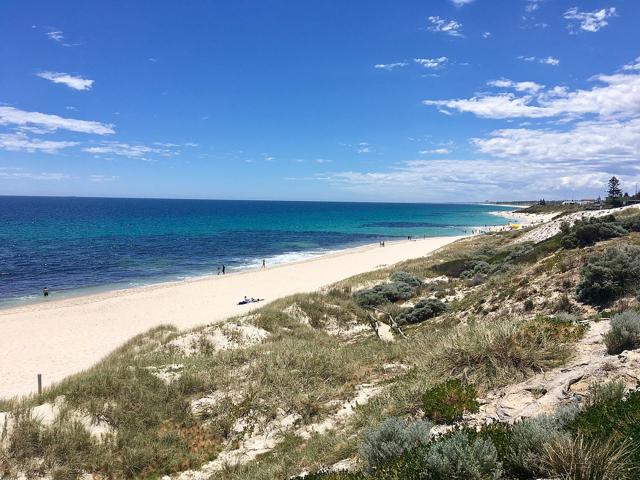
(61, 337)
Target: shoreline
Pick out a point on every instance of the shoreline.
(84, 295)
(65, 336)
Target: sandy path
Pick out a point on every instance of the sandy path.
(62, 337)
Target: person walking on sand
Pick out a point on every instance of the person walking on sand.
(45, 291)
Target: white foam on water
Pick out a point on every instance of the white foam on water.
(282, 259)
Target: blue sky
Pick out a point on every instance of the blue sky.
(319, 100)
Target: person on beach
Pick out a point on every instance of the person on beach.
(223, 269)
(45, 291)
(264, 263)
(218, 270)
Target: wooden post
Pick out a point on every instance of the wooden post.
(39, 384)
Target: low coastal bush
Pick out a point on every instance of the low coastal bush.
(475, 268)
(391, 439)
(606, 393)
(624, 333)
(590, 231)
(406, 278)
(447, 402)
(606, 277)
(402, 286)
(458, 457)
(527, 440)
(631, 223)
(595, 441)
(423, 310)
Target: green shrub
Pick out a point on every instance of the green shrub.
(392, 438)
(605, 278)
(459, 458)
(520, 252)
(406, 278)
(528, 438)
(476, 267)
(402, 286)
(565, 317)
(447, 402)
(423, 310)
(624, 333)
(528, 305)
(631, 224)
(588, 232)
(606, 392)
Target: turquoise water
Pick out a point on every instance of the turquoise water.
(73, 244)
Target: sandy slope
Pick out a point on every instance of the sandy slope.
(59, 338)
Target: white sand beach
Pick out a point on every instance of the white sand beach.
(58, 338)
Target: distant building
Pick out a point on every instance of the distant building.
(578, 202)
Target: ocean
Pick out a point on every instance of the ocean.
(79, 245)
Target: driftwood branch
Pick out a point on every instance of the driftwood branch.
(392, 322)
(373, 321)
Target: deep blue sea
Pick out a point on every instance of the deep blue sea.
(77, 245)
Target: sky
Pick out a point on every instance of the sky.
(349, 100)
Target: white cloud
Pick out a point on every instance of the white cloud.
(461, 3)
(18, 173)
(431, 62)
(486, 35)
(77, 83)
(532, 87)
(532, 6)
(103, 178)
(436, 151)
(479, 179)
(595, 142)
(632, 66)
(390, 66)
(544, 60)
(550, 61)
(450, 27)
(135, 151)
(590, 21)
(364, 147)
(14, 116)
(594, 133)
(618, 95)
(19, 142)
(56, 36)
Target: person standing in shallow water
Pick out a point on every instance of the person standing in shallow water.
(223, 269)
(45, 291)
(264, 263)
